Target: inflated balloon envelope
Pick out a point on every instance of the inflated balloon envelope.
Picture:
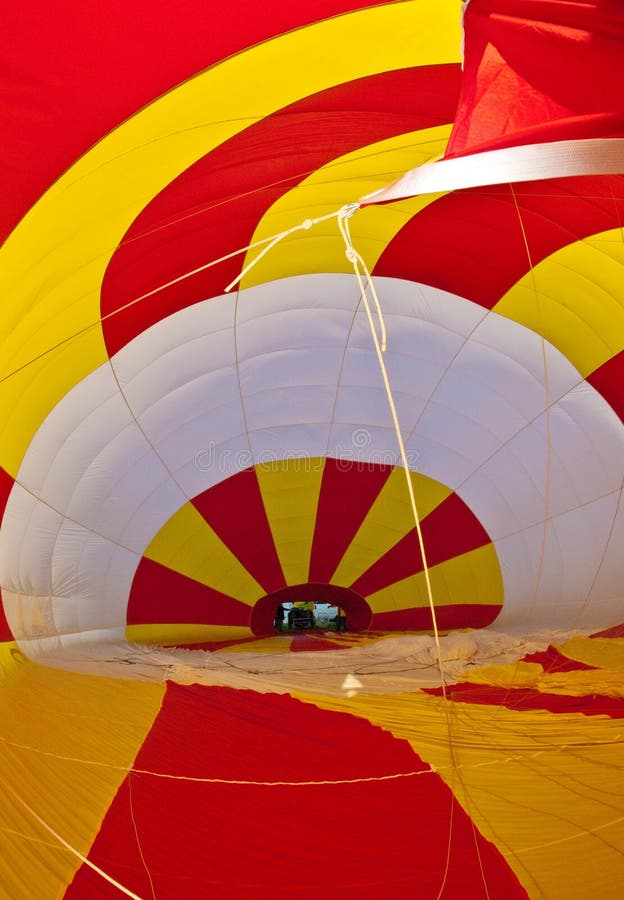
(178, 458)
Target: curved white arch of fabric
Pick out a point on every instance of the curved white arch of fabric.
(208, 400)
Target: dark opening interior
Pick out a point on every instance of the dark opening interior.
(357, 613)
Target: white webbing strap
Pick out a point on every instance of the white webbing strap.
(531, 162)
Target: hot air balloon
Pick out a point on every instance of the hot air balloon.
(314, 303)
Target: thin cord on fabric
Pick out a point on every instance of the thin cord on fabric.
(380, 341)
(136, 834)
(68, 846)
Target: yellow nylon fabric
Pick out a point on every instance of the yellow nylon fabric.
(52, 265)
(605, 653)
(67, 742)
(187, 544)
(329, 188)
(575, 299)
(473, 577)
(607, 682)
(290, 493)
(546, 789)
(183, 633)
(389, 519)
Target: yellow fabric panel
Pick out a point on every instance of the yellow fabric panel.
(513, 675)
(390, 518)
(584, 683)
(473, 577)
(578, 683)
(187, 544)
(606, 653)
(182, 633)
(67, 743)
(575, 299)
(52, 265)
(544, 788)
(342, 181)
(290, 492)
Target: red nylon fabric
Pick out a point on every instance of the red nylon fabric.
(75, 70)
(538, 71)
(523, 699)
(552, 660)
(235, 510)
(239, 180)
(615, 631)
(194, 836)
(448, 617)
(471, 242)
(608, 380)
(448, 531)
(160, 595)
(348, 491)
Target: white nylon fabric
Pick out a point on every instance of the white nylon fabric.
(288, 371)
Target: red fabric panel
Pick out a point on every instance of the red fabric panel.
(455, 615)
(73, 71)
(6, 483)
(448, 531)
(5, 631)
(539, 70)
(235, 510)
(615, 631)
(520, 698)
(306, 642)
(368, 839)
(213, 208)
(552, 660)
(471, 242)
(159, 594)
(214, 645)
(609, 381)
(348, 490)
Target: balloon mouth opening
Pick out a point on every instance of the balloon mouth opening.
(359, 615)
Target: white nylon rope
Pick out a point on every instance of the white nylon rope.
(380, 346)
(272, 241)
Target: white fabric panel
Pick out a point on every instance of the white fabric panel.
(283, 406)
(91, 414)
(570, 590)
(103, 468)
(47, 649)
(289, 442)
(515, 363)
(578, 472)
(90, 575)
(361, 368)
(180, 430)
(29, 529)
(282, 368)
(30, 616)
(453, 428)
(164, 345)
(301, 391)
(218, 390)
(146, 518)
(356, 405)
(333, 293)
(213, 463)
